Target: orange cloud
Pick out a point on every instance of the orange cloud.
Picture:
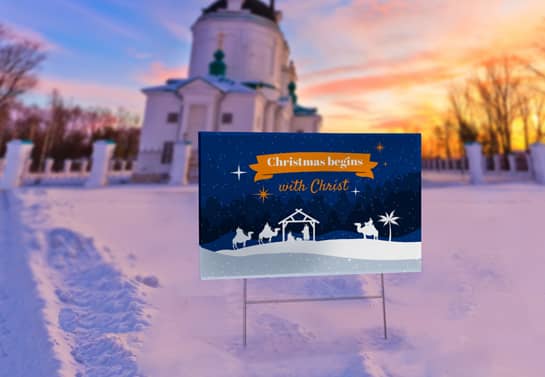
(360, 85)
(93, 94)
(158, 73)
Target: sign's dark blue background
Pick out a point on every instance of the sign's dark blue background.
(227, 203)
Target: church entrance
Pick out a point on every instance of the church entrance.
(196, 121)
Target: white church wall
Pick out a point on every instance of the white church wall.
(155, 128)
(199, 96)
(242, 107)
(254, 47)
(156, 131)
(285, 77)
(269, 114)
(259, 114)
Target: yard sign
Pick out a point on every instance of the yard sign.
(284, 204)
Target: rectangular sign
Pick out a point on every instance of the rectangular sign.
(285, 204)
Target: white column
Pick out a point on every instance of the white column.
(512, 163)
(67, 166)
(49, 165)
(538, 161)
(474, 155)
(17, 155)
(102, 154)
(179, 169)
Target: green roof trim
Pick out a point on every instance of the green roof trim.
(258, 85)
(304, 111)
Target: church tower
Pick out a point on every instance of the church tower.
(255, 48)
(241, 79)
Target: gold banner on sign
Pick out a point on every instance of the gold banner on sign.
(308, 162)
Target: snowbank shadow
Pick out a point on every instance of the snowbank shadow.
(99, 308)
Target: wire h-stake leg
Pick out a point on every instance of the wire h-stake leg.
(245, 302)
(383, 306)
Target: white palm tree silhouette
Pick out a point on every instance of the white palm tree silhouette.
(389, 219)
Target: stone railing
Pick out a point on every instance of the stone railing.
(75, 172)
(497, 168)
(97, 171)
(439, 164)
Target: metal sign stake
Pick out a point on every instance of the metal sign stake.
(247, 302)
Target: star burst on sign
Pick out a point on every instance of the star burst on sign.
(355, 191)
(238, 172)
(263, 194)
(380, 147)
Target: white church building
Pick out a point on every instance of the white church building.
(240, 79)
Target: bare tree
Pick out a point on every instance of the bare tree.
(19, 59)
(462, 113)
(525, 113)
(539, 113)
(498, 90)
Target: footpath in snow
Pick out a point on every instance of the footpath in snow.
(25, 346)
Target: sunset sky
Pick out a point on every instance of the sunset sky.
(369, 65)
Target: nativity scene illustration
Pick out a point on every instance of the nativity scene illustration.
(269, 235)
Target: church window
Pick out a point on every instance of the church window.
(172, 118)
(168, 152)
(227, 118)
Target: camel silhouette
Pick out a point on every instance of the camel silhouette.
(268, 233)
(368, 230)
(242, 238)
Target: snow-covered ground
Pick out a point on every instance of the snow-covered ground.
(312, 258)
(365, 249)
(106, 283)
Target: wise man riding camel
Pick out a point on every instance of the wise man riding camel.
(368, 230)
(242, 238)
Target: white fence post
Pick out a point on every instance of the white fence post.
(49, 166)
(102, 154)
(17, 155)
(84, 166)
(180, 164)
(497, 163)
(474, 152)
(512, 163)
(67, 166)
(529, 164)
(538, 161)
